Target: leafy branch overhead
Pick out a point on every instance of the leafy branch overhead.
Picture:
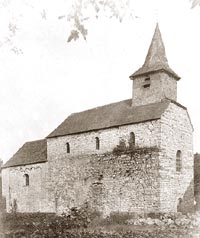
(78, 15)
(195, 3)
(83, 10)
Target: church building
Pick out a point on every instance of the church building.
(134, 155)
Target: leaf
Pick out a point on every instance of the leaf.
(61, 17)
(111, 8)
(44, 14)
(13, 28)
(74, 35)
(83, 31)
(195, 3)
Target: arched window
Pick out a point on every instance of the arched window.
(178, 161)
(97, 143)
(68, 147)
(179, 205)
(131, 140)
(26, 176)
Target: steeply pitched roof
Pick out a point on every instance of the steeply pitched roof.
(111, 115)
(30, 153)
(156, 59)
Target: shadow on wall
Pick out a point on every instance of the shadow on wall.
(197, 180)
(186, 203)
(2, 200)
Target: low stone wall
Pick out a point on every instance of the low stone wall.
(125, 182)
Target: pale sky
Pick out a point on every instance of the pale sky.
(44, 79)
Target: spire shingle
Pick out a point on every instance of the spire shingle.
(156, 59)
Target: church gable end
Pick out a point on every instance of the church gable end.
(176, 180)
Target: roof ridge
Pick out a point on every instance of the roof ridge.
(35, 141)
(101, 106)
(114, 103)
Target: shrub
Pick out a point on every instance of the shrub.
(41, 224)
(120, 148)
(119, 218)
(155, 215)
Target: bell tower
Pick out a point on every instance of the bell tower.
(155, 80)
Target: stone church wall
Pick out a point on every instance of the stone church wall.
(87, 174)
(68, 180)
(143, 180)
(22, 198)
(107, 182)
(176, 187)
(146, 134)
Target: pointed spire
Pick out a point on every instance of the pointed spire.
(156, 59)
(156, 54)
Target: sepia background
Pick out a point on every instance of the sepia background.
(60, 57)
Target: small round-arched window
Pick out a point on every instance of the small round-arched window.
(179, 205)
(97, 143)
(26, 176)
(178, 160)
(68, 147)
(131, 140)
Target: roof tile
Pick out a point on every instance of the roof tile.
(30, 153)
(111, 115)
(156, 59)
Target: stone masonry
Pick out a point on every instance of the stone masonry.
(131, 156)
(176, 134)
(22, 198)
(162, 86)
(80, 172)
(107, 182)
(84, 143)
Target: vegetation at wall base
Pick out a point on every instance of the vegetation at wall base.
(81, 223)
